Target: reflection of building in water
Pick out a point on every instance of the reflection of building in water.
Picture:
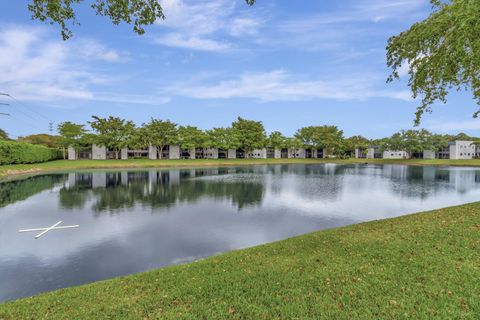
(83, 180)
(157, 188)
(463, 180)
(99, 180)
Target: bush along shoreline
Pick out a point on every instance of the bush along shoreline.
(12, 152)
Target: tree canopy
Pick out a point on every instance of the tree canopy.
(161, 133)
(277, 140)
(140, 13)
(322, 137)
(42, 139)
(190, 137)
(441, 53)
(250, 134)
(113, 132)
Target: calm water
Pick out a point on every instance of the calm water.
(132, 221)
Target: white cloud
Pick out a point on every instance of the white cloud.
(192, 42)
(279, 85)
(204, 26)
(244, 26)
(35, 68)
(93, 50)
(342, 27)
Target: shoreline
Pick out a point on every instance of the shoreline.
(12, 171)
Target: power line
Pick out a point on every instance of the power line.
(26, 122)
(22, 104)
(22, 112)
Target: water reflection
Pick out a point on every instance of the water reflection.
(135, 220)
(156, 189)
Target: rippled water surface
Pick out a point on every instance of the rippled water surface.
(132, 221)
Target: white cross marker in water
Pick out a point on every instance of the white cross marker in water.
(45, 230)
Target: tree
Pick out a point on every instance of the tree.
(70, 135)
(3, 135)
(42, 139)
(438, 142)
(442, 53)
(355, 142)
(394, 143)
(140, 13)
(294, 143)
(161, 133)
(138, 140)
(250, 134)
(462, 136)
(322, 137)
(190, 137)
(112, 132)
(379, 143)
(276, 140)
(223, 138)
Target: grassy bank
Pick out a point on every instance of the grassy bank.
(144, 163)
(421, 266)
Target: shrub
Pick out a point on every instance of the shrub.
(12, 152)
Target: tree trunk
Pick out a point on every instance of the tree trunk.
(160, 152)
(64, 153)
(116, 154)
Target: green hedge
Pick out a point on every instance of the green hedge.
(12, 152)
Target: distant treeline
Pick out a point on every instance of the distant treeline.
(116, 133)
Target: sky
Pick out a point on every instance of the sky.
(288, 64)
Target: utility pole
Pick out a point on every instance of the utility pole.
(50, 127)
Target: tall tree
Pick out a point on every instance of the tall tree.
(395, 143)
(161, 133)
(138, 140)
(355, 142)
(442, 53)
(276, 140)
(70, 135)
(250, 134)
(329, 138)
(295, 143)
(190, 137)
(112, 132)
(437, 142)
(140, 13)
(223, 138)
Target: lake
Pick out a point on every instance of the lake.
(137, 220)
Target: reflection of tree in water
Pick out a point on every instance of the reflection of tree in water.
(157, 189)
(17, 190)
(77, 192)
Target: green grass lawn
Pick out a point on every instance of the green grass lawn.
(145, 163)
(421, 266)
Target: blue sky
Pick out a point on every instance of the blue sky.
(286, 63)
